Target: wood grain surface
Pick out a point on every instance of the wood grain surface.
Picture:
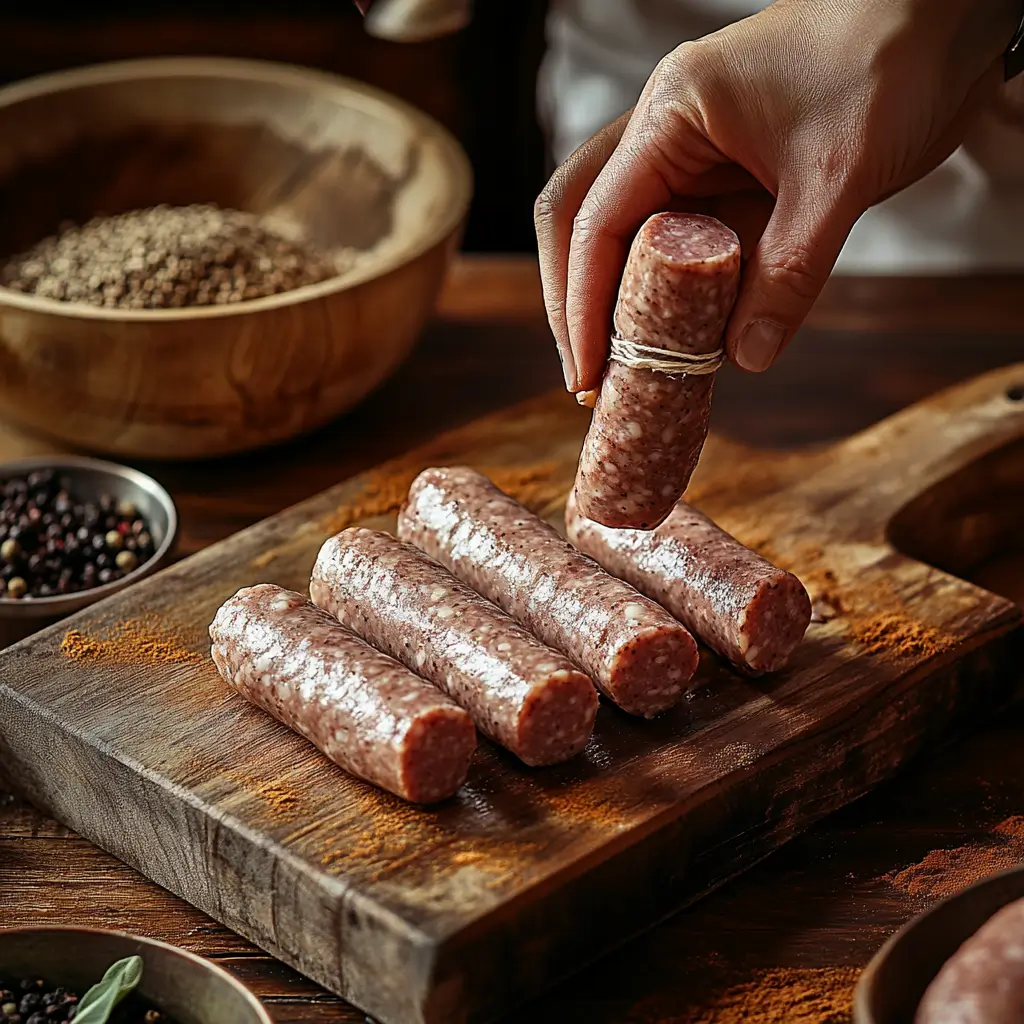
(822, 904)
(472, 907)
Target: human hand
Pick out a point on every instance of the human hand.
(787, 126)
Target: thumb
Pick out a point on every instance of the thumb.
(786, 272)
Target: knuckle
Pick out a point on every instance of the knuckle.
(796, 271)
(546, 205)
(685, 85)
(583, 222)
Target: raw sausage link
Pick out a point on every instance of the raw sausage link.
(364, 710)
(983, 982)
(638, 655)
(648, 428)
(521, 694)
(734, 600)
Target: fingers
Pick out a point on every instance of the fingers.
(664, 153)
(787, 270)
(553, 213)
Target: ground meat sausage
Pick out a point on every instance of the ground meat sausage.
(735, 601)
(364, 710)
(648, 427)
(521, 694)
(983, 982)
(638, 655)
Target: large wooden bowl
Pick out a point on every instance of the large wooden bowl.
(343, 164)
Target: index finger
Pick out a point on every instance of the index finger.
(629, 188)
(553, 215)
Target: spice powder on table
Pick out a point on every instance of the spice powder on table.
(943, 873)
(775, 995)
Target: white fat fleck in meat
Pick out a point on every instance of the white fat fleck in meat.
(438, 593)
(504, 647)
(634, 429)
(668, 434)
(610, 468)
(445, 611)
(263, 662)
(421, 658)
(633, 611)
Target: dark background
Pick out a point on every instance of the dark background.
(480, 83)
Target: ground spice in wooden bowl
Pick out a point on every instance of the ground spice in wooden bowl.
(167, 257)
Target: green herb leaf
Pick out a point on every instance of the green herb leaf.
(99, 1002)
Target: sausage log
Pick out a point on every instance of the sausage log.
(639, 656)
(364, 710)
(649, 426)
(735, 601)
(983, 981)
(521, 694)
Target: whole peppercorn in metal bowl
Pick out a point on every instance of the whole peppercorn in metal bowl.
(73, 531)
(53, 965)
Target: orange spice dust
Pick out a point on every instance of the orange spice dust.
(873, 612)
(130, 642)
(775, 995)
(944, 873)
(391, 835)
(281, 804)
(386, 489)
(899, 635)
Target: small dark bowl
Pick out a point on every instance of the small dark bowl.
(90, 478)
(185, 986)
(895, 981)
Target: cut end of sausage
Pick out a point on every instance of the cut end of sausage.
(774, 624)
(652, 673)
(436, 754)
(598, 501)
(693, 240)
(557, 719)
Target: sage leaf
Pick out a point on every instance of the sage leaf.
(99, 1002)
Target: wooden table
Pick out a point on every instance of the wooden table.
(782, 934)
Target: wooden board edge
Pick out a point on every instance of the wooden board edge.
(334, 914)
(656, 877)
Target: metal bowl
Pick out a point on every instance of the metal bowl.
(192, 990)
(90, 478)
(895, 981)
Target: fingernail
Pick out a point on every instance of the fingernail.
(568, 368)
(758, 345)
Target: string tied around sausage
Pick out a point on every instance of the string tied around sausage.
(663, 360)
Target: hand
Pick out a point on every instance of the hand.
(787, 126)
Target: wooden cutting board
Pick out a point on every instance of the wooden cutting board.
(462, 912)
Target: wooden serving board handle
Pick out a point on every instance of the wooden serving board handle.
(866, 481)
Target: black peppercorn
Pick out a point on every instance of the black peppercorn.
(51, 542)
